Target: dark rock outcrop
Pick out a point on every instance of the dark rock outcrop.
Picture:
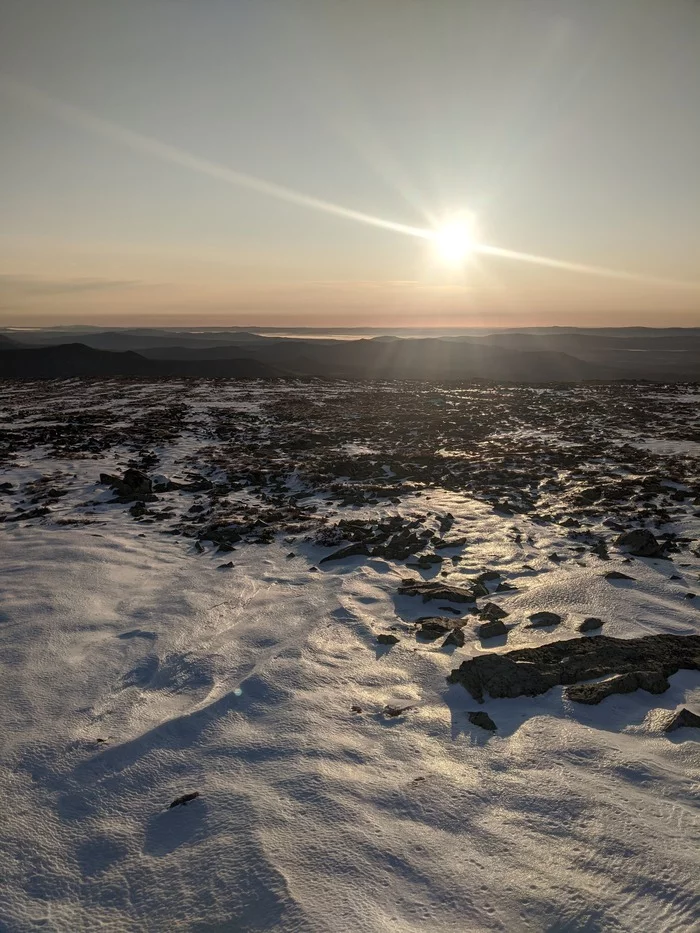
(532, 671)
(432, 589)
(651, 681)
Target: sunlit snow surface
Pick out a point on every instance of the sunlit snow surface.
(238, 683)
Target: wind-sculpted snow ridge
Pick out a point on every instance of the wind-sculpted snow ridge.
(209, 725)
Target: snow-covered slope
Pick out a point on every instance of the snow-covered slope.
(135, 668)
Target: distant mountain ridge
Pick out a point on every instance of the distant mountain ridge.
(500, 356)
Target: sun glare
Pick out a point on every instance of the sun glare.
(455, 241)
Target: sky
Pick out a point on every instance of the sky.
(217, 161)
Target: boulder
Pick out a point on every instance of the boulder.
(640, 543)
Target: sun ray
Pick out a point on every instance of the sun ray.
(454, 241)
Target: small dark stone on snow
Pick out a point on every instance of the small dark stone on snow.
(225, 566)
(432, 589)
(355, 709)
(683, 719)
(492, 612)
(541, 619)
(491, 629)
(483, 720)
(183, 800)
(384, 639)
(617, 575)
(393, 711)
(456, 638)
(590, 624)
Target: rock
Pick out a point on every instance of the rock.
(455, 638)
(491, 629)
(651, 681)
(617, 575)
(433, 628)
(393, 711)
(450, 542)
(488, 576)
(683, 719)
(432, 589)
(492, 612)
(225, 566)
(138, 482)
(183, 800)
(385, 639)
(483, 720)
(640, 543)
(352, 550)
(590, 624)
(541, 619)
(532, 671)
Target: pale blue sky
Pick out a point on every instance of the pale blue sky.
(570, 127)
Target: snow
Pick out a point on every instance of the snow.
(238, 683)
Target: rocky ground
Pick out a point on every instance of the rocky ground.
(445, 639)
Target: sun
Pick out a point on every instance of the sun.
(455, 240)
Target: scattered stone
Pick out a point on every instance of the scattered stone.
(532, 671)
(640, 543)
(592, 694)
(455, 638)
(542, 619)
(184, 800)
(683, 719)
(225, 566)
(433, 628)
(432, 589)
(352, 550)
(355, 709)
(492, 629)
(492, 612)
(483, 720)
(590, 624)
(617, 575)
(384, 639)
(392, 711)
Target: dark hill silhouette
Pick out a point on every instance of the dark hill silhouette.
(75, 359)
(514, 357)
